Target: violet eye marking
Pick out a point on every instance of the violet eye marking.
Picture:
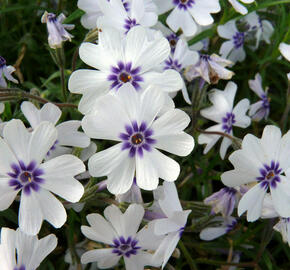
(137, 138)
(25, 177)
(270, 175)
(172, 64)
(123, 247)
(239, 38)
(124, 73)
(228, 122)
(2, 62)
(183, 4)
(130, 23)
(22, 267)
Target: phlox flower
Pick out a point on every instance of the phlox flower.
(227, 116)
(224, 201)
(67, 132)
(239, 7)
(251, 28)
(135, 122)
(186, 14)
(5, 72)
(264, 162)
(172, 225)
(116, 15)
(179, 60)
(122, 60)
(210, 68)
(260, 109)
(29, 249)
(22, 169)
(227, 224)
(57, 33)
(120, 232)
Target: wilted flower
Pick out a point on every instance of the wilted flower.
(120, 232)
(223, 201)
(283, 227)
(186, 13)
(5, 72)
(264, 162)
(260, 109)
(56, 29)
(22, 169)
(223, 113)
(130, 118)
(211, 68)
(30, 251)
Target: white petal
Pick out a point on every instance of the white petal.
(210, 139)
(180, 144)
(226, 48)
(42, 139)
(100, 230)
(105, 257)
(49, 112)
(7, 194)
(163, 6)
(7, 248)
(284, 152)
(238, 7)
(252, 202)
(69, 135)
(227, 30)
(59, 177)
(226, 142)
(183, 20)
(212, 233)
(17, 137)
(172, 122)
(242, 120)
(285, 50)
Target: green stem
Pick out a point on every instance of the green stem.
(218, 263)
(61, 64)
(187, 255)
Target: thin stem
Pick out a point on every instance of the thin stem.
(74, 59)
(7, 94)
(187, 255)
(61, 64)
(218, 263)
(283, 121)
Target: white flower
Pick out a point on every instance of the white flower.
(30, 251)
(56, 30)
(115, 15)
(233, 49)
(5, 72)
(179, 60)
(264, 162)
(119, 231)
(187, 13)
(172, 226)
(239, 7)
(67, 132)
(211, 68)
(21, 169)
(283, 226)
(260, 109)
(226, 225)
(251, 29)
(285, 50)
(133, 195)
(119, 61)
(223, 113)
(131, 119)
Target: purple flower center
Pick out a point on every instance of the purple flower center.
(183, 4)
(172, 39)
(124, 73)
(270, 175)
(129, 23)
(123, 247)
(239, 39)
(22, 267)
(2, 62)
(228, 122)
(25, 177)
(204, 57)
(266, 103)
(172, 64)
(126, 5)
(51, 17)
(137, 138)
